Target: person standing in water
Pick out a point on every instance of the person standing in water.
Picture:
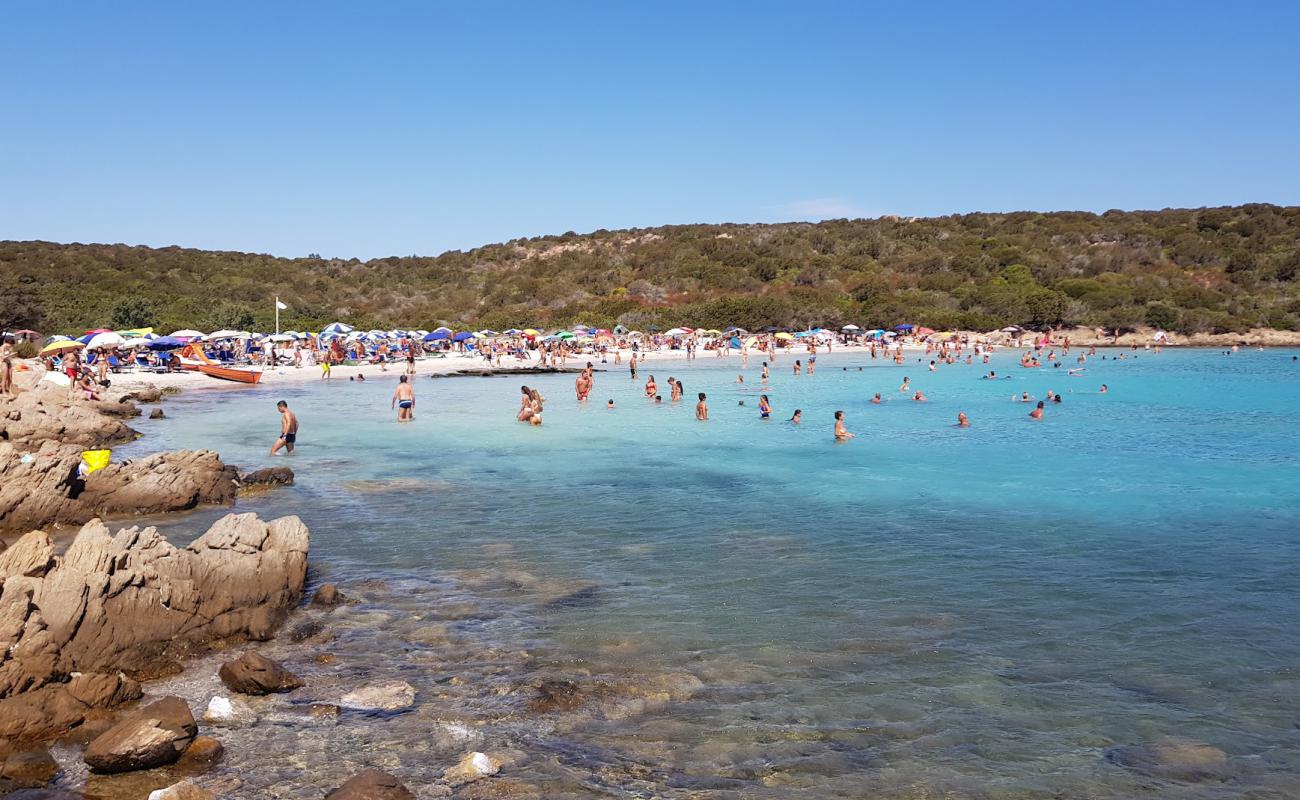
(702, 408)
(1037, 413)
(404, 400)
(288, 429)
(764, 408)
(841, 433)
(962, 420)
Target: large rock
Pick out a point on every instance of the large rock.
(371, 785)
(327, 596)
(390, 696)
(150, 737)
(257, 675)
(49, 413)
(27, 768)
(39, 488)
(126, 601)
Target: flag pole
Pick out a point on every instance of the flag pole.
(277, 316)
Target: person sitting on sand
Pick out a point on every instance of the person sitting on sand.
(962, 420)
(1037, 413)
(841, 433)
(404, 399)
(702, 408)
(288, 429)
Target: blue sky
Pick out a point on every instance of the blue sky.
(371, 129)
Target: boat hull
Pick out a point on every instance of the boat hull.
(231, 374)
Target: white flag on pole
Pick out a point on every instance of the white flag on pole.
(280, 306)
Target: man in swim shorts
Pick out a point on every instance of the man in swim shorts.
(288, 429)
(404, 400)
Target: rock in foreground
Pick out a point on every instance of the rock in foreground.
(150, 737)
(371, 785)
(257, 675)
(391, 696)
(70, 624)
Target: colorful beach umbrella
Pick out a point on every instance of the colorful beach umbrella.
(102, 340)
(61, 345)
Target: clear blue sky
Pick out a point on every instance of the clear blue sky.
(370, 129)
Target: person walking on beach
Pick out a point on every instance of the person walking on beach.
(404, 400)
(288, 429)
(702, 408)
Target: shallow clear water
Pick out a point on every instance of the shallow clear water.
(924, 611)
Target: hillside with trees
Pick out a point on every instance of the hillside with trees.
(1191, 271)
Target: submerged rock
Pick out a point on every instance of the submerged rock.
(556, 696)
(69, 624)
(257, 675)
(185, 790)
(27, 768)
(202, 754)
(471, 768)
(157, 413)
(1173, 758)
(391, 696)
(270, 476)
(371, 785)
(327, 596)
(229, 712)
(149, 737)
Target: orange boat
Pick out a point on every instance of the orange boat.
(231, 373)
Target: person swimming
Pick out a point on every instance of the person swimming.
(1104, 388)
(841, 433)
(963, 421)
(764, 407)
(610, 404)
(907, 384)
(918, 397)
(797, 416)
(877, 399)
(1037, 413)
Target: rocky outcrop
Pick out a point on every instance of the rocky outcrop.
(371, 785)
(270, 476)
(49, 413)
(257, 675)
(40, 488)
(327, 596)
(70, 624)
(149, 737)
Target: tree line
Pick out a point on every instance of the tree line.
(1186, 270)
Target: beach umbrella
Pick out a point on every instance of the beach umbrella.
(131, 344)
(850, 327)
(875, 332)
(532, 332)
(185, 333)
(462, 336)
(281, 337)
(135, 333)
(337, 328)
(903, 327)
(784, 336)
(924, 331)
(61, 345)
(485, 333)
(225, 334)
(28, 334)
(1011, 329)
(97, 330)
(620, 330)
(435, 336)
(513, 332)
(101, 340)
(58, 337)
(677, 331)
(166, 343)
(735, 342)
(563, 335)
(441, 329)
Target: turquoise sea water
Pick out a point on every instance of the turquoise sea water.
(924, 611)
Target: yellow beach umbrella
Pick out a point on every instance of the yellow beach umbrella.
(783, 335)
(134, 333)
(58, 347)
(532, 332)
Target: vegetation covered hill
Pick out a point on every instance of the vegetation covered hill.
(1203, 270)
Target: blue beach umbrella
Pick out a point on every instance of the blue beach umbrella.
(337, 328)
(462, 336)
(436, 336)
(903, 327)
(165, 343)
